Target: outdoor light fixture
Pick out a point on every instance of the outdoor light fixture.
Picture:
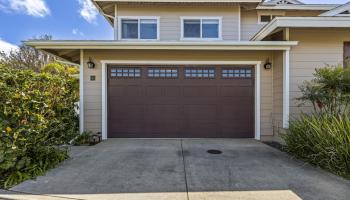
(91, 65)
(268, 65)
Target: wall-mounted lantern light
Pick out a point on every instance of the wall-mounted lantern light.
(90, 64)
(268, 65)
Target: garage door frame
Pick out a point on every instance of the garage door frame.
(104, 63)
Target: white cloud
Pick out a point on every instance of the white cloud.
(36, 8)
(76, 31)
(88, 11)
(7, 47)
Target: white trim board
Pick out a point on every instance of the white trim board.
(317, 7)
(257, 64)
(337, 11)
(81, 93)
(301, 22)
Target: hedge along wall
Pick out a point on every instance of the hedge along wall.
(37, 114)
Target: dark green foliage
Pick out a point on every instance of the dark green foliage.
(84, 138)
(323, 137)
(322, 140)
(37, 115)
(329, 91)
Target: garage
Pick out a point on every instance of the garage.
(151, 101)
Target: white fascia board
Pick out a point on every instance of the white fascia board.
(181, 1)
(298, 7)
(187, 45)
(301, 22)
(336, 10)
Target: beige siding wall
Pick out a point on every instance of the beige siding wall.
(170, 22)
(93, 89)
(250, 25)
(317, 47)
(277, 91)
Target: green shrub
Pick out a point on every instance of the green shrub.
(323, 137)
(84, 138)
(37, 115)
(329, 91)
(322, 140)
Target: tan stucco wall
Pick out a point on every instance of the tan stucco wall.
(170, 22)
(317, 47)
(93, 89)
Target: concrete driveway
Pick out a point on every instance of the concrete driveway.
(182, 169)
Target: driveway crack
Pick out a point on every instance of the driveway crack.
(184, 165)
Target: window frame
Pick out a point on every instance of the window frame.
(271, 14)
(183, 18)
(138, 18)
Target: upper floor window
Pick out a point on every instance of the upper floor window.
(141, 28)
(265, 17)
(201, 28)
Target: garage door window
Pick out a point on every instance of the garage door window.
(162, 72)
(123, 72)
(236, 73)
(200, 73)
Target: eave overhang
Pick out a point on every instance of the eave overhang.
(320, 7)
(301, 22)
(70, 50)
(107, 9)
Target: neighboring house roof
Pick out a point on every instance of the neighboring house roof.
(70, 50)
(282, 2)
(301, 22)
(342, 10)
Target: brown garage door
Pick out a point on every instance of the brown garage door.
(180, 102)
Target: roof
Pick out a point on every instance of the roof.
(70, 50)
(182, 1)
(276, 2)
(338, 10)
(301, 22)
(107, 9)
(325, 7)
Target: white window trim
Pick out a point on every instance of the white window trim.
(270, 14)
(257, 64)
(182, 18)
(120, 18)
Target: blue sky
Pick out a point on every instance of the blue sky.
(63, 19)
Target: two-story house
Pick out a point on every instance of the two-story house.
(202, 68)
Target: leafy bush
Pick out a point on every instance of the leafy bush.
(322, 140)
(37, 115)
(323, 137)
(84, 138)
(329, 91)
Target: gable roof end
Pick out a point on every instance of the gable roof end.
(282, 2)
(338, 11)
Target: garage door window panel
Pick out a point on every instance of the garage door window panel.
(229, 73)
(200, 73)
(162, 73)
(125, 72)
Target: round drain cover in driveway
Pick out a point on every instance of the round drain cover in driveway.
(214, 151)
